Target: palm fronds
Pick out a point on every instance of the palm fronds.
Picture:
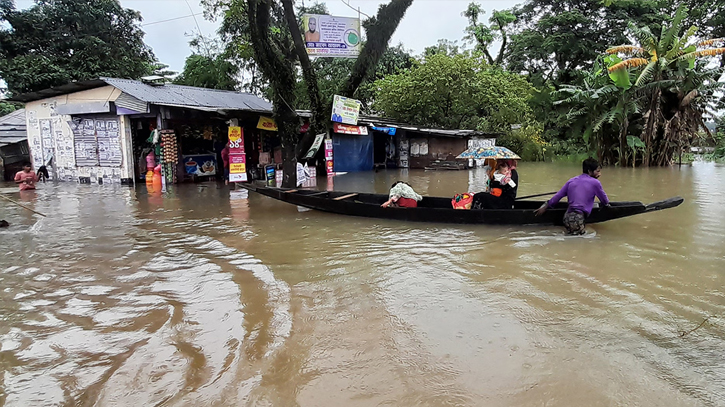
(647, 74)
(674, 29)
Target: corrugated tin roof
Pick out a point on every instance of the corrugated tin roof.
(187, 96)
(15, 119)
(12, 128)
(166, 95)
(58, 91)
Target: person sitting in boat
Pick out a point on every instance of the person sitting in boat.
(580, 192)
(504, 184)
(514, 175)
(402, 195)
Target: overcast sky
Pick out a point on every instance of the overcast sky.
(424, 24)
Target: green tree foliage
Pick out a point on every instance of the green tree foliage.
(557, 39)
(445, 47)
(203, 71)
(271, 30)
(672, 78)
(650, 104)
(485, 35)
(208, 67)
(332, 73)
(455, 92)
(8, 107)
(58, 41)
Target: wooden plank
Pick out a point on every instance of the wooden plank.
(290, 191)
(340, 198)
(318, 193)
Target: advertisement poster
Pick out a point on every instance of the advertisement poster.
(237, 156)
(201, 165)
(330, 36)
(266, 123)
(329, 165)
(351, 130)
(345, 110)
(315, 146)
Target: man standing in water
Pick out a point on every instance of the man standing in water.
(580, 192)
(26, 178)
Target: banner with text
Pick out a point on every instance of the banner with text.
(266, 123)
(329, 165)
(315, 146)
(330, 36)
(345, 110)
(237, 155)
(352, 130)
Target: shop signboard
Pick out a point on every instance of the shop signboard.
(266, 123)
(201, 165)
(353, 130)
(345, 110)
(330, 36)
(237, 156)
(329, 165)
(315, 146)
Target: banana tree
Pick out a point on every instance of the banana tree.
(668, 77)
(588, 103)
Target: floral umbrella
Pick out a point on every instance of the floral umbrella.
(495, 153)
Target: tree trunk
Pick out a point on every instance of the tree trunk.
(622, 143)
(289, 167)
(499, 59)
(280, 72)
(317, 122)
(650, 128)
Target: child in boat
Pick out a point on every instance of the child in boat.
(402, 195)
(503, 189)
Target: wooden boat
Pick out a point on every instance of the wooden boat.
(439, 210)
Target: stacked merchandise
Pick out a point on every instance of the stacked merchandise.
(169, 155)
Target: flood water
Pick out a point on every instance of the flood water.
(203, 297)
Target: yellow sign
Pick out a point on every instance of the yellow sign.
(235, 134)
(237, 168)
(266, 123)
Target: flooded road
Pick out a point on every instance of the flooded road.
(205, 297)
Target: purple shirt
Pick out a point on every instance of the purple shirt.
(580, 191)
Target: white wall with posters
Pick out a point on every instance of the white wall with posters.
(89, 146)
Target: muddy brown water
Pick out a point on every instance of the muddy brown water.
(205, 297)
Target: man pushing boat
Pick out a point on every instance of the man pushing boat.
(580, 192)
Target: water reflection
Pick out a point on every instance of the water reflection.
(206, 296)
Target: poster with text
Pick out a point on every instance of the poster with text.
(345, 110)
(329, 165)
(315, 146)
(330, 36)
(237, 156)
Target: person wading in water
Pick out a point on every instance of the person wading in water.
(580, 192)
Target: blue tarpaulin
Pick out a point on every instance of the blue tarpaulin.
(352, 153)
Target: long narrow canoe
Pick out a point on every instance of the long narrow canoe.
(439, 210)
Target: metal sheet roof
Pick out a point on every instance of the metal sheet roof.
(15, 119)
(58, 91)
(163, 94)
(187, 96)
(12, 128)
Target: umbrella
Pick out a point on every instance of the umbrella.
(496, 153)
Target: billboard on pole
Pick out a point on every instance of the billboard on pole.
(330, 36)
